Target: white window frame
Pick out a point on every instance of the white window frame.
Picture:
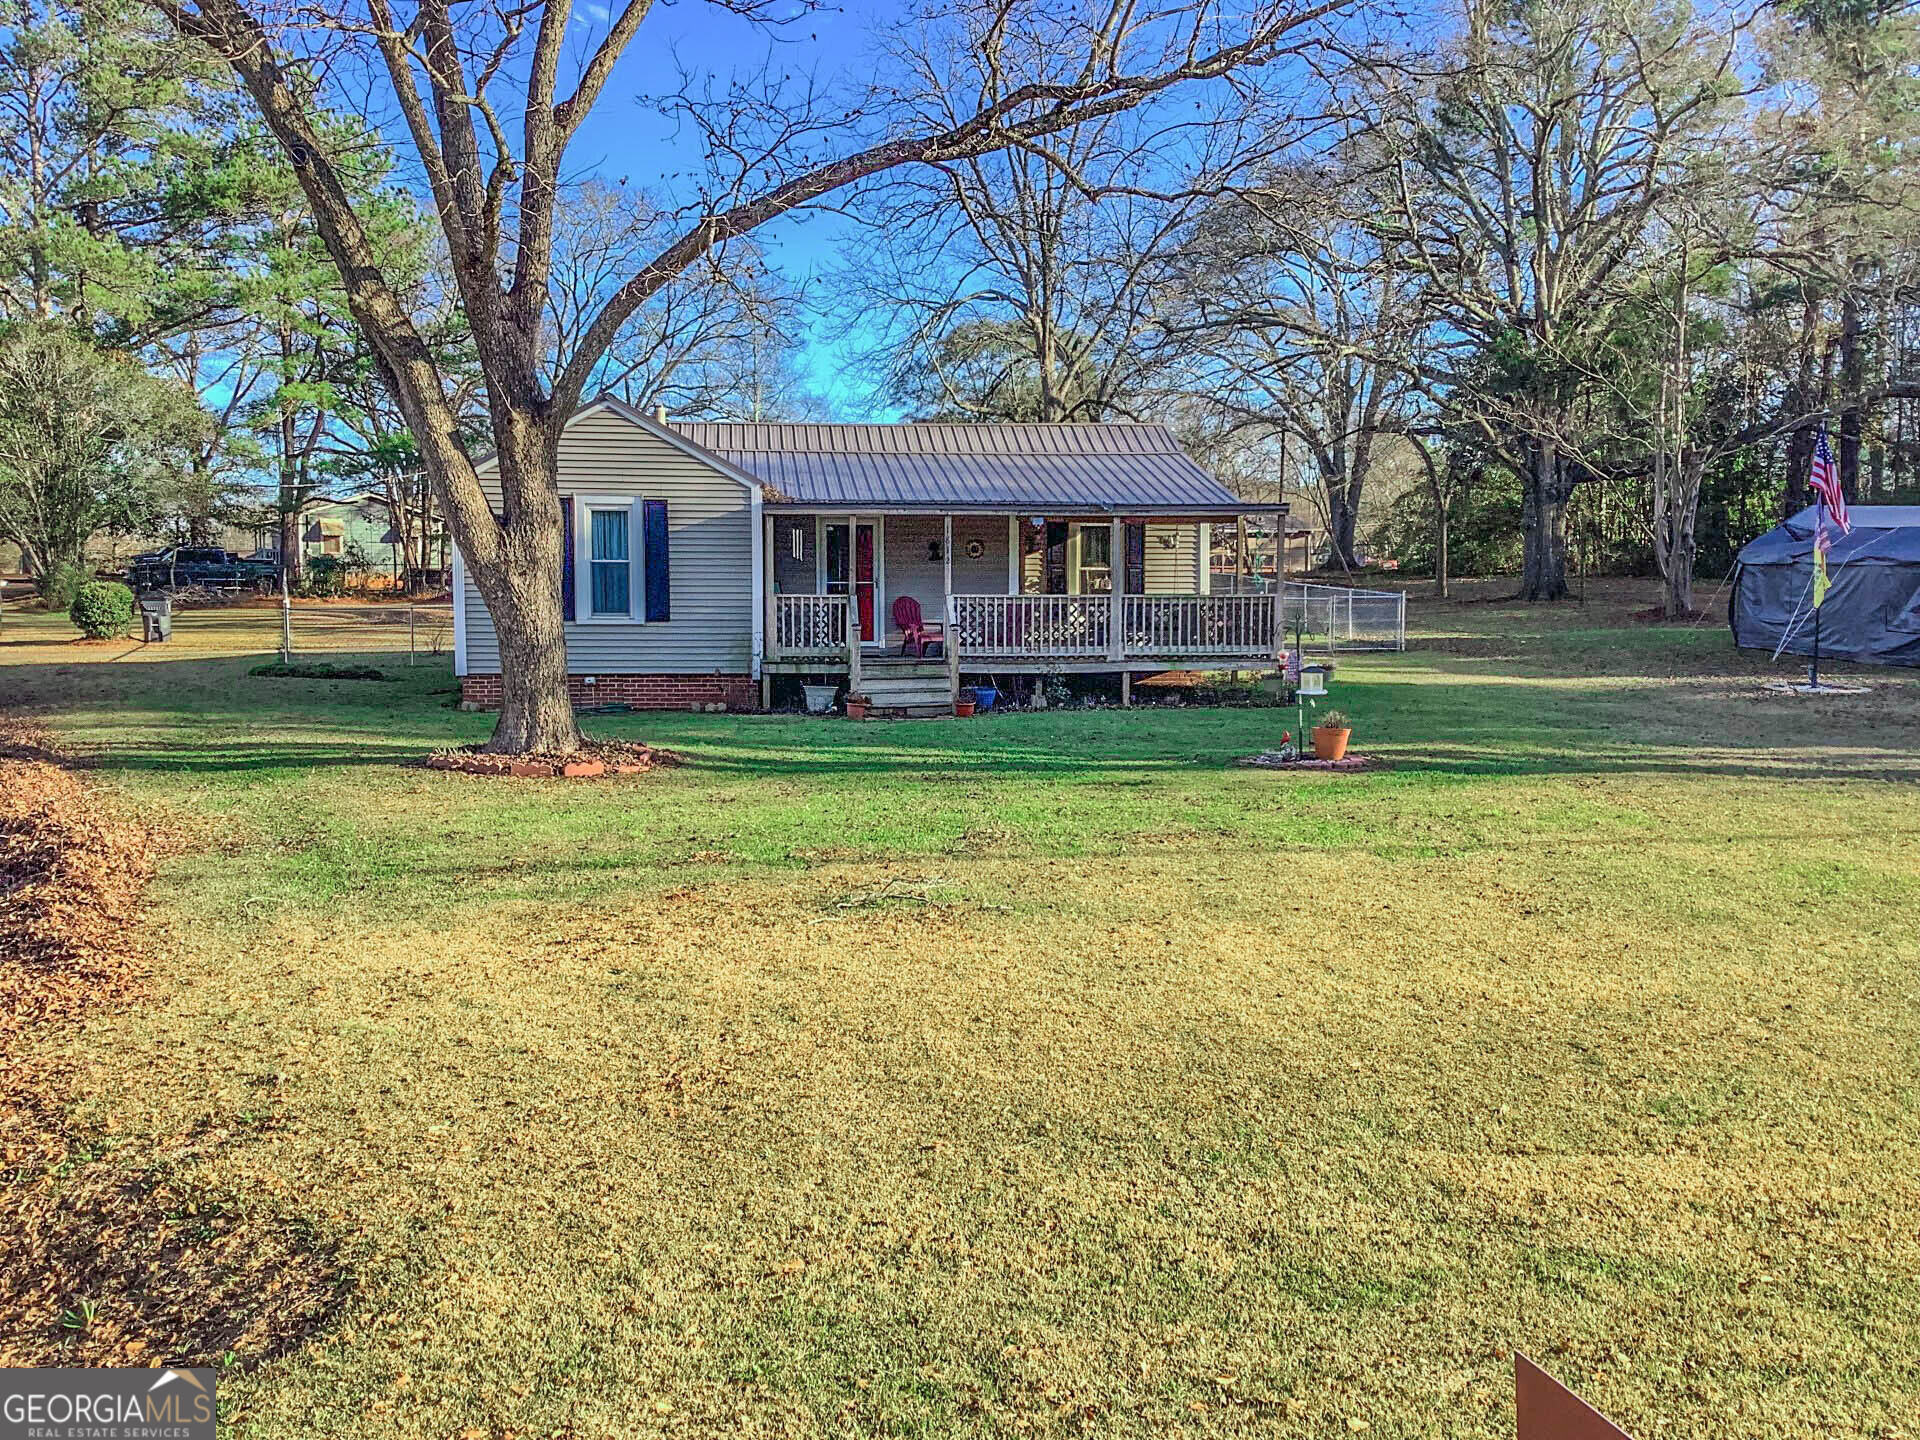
(584, 507)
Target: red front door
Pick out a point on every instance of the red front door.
(863, 587)
(851, 568)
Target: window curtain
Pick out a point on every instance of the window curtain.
(611, 563)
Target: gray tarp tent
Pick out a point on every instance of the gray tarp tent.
(1872, 610)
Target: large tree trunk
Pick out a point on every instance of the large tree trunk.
(1442, 518)
(289, 539)
(1543, 570)
(536, 711)
(1343, 505)
(1682, 549)
(522, 595)
(1680, 593)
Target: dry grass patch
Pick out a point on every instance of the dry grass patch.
(1122, 1148)
(105, 1257)
(1051, 1075)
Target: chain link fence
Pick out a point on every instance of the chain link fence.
(417, 631)
(1340, 617)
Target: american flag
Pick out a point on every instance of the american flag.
(1825, 479)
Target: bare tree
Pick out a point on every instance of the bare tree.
(712, 342)
(1518, 182)
(1300, 326)
(1020, 284)
(493, 95)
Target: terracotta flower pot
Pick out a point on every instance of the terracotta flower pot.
(1329, 744)
(963, 708)
(856, 710)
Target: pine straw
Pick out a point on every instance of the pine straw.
(619, 756)
(107, 1257)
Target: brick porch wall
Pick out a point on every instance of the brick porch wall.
(643, 692)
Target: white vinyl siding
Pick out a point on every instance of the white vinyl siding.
(1172, 568)
(604, 457)
(913, 566)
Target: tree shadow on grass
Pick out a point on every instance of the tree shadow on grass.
(211, 716)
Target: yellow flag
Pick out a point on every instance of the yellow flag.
(1819, 570)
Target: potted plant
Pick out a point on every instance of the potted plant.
(1330, 736)
(857, 706)
(965, 702)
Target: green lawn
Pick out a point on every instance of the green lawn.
(1045, 1073)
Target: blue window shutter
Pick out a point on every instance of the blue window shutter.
(567, 610)
(659, 580)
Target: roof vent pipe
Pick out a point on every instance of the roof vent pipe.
(660, 414)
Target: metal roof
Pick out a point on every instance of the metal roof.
(1105, 467)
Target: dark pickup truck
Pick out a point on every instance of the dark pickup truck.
(179, 567)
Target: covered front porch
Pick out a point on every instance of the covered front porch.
(1015, 592)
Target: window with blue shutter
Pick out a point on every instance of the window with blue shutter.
(568, 610)
(658, 576)
(609, 562)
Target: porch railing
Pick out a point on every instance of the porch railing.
(806, 625)
(1198, 625)
(1066, 627)
(1149, 627)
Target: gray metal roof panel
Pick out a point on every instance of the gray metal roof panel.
(1017, 467)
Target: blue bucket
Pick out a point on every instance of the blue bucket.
(987, 695)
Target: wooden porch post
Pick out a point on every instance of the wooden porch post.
(772, 633)
(853, 604)
(950, 644)
(1279, 601)
(1117, 601)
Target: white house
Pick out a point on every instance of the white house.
(705, 558)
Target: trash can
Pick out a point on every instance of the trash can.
(156, 618)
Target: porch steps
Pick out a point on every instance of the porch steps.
(907, 689)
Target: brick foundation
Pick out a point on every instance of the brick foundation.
(642, 692)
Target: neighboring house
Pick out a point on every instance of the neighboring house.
(702, 559)
(359, 528)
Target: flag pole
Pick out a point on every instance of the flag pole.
(1819, 533)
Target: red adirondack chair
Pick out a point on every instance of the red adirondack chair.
(917, 636)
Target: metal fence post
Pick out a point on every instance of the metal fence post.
(286, 622)
(410, 634)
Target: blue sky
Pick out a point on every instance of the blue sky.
(626, 138)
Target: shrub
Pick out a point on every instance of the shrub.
(59, 585)
(323, 576)
(316, 670)
(102, 609)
